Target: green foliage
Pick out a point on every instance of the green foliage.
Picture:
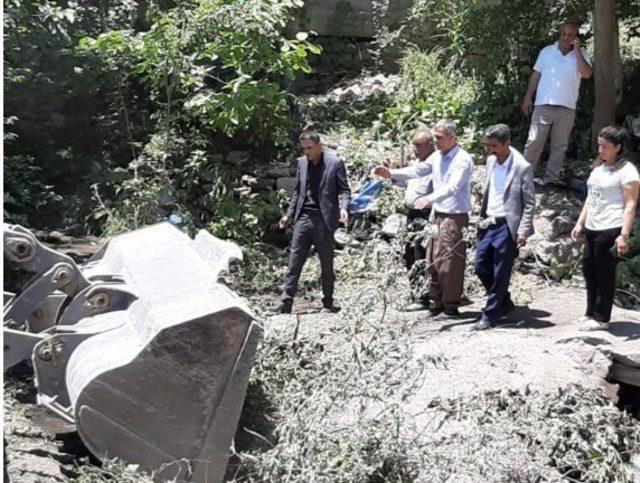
(628, 274)
(171, 176)
(498, 43)
(215, 63)
(559, 271)
(262, 269)
(210, 70)
(431, 88)
(63, 130)
(24, 193)
(97, 82)
(139, 191)
(245, 219)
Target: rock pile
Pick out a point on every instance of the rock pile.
(360, 90)
(550, 250)
(358, 101)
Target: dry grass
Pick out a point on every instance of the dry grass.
(333, 404)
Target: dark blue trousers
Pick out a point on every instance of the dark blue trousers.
(310, 229)
(495, 254)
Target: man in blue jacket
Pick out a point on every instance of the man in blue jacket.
(319, 203)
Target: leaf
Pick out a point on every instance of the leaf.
(302, 36)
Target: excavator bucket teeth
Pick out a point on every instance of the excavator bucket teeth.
(159, 378)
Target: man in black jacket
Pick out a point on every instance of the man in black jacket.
(318, 205)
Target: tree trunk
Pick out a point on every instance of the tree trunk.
(606, 64)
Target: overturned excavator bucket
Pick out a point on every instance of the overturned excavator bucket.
(141, 349)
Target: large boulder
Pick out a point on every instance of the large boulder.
(287, 184)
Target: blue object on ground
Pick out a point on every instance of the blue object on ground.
(175, 219)
(363, 200)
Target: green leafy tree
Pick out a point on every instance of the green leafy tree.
(64, 136)
(432, 88)
(212, 71)
(219, 64)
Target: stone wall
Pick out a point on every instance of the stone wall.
(350, 18)
(347, 32)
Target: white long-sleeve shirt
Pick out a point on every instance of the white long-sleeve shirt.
(416, 178)
(451, 181)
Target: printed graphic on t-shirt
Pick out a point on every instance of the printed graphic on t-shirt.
(595, 200)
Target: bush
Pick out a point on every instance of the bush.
(213, 63)
(628, 275)
(210, 70)
(432, 88)
(24, 193)
(58, 111)
(171, 177)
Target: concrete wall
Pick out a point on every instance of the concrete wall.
(350, 18)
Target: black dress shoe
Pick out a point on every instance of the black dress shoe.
(330, 309)
(482, 324)
(284, 308)
(433, 311)
(507, 307)
(447, 314)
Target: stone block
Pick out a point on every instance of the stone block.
(240, 159)
(560, 225)
(393, 224)
(287, 184)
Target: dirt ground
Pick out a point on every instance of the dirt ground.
(537, 348)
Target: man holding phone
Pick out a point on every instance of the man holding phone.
(555, 80)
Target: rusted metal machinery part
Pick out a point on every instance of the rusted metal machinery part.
(157, 378)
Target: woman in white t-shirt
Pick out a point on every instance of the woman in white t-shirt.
(605, 221)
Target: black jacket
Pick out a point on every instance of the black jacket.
(334, 193)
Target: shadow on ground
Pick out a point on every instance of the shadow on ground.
(628, 330)
(518, 318)
(526, 318)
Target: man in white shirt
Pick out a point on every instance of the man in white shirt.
(555, 80)
(508, 203)
(417, 180)
(451, 203)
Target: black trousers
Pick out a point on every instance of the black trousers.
(599, 267)
(414, 252)
(310, 229)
